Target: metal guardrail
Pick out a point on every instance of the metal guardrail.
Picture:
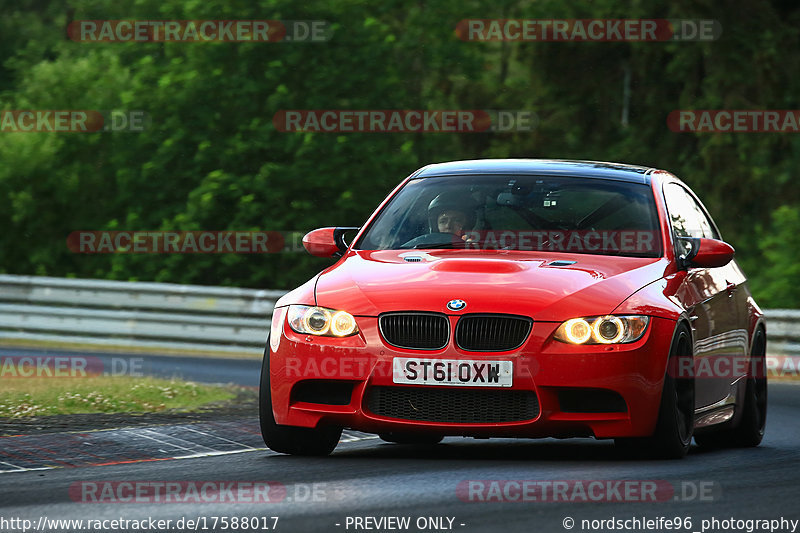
(135, 314)
(783, 331)
(185, 317)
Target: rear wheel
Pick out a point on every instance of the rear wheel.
(675, 425)
(410, 438)
(750, 430)
(289, 439)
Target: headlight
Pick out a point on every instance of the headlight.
(608, 329)
(321, 321)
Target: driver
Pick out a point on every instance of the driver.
(451, 213)
(451, 221)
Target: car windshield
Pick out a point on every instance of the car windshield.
(564, 214)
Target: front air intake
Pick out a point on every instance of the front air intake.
(415, 331)
(492, 333)
(452, 406)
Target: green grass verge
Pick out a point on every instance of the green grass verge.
(25, 397)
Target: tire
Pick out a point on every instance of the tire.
(291, 440)
(675, 426)
(750, 430)
(410, 438)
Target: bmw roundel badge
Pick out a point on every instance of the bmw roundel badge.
(456, 305)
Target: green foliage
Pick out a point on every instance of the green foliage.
(212, 159)
(780, 268)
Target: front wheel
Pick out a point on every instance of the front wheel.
(750, 430)
(289, 439)
(675, 425)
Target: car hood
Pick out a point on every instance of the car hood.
(544, 286)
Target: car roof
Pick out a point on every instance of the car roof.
(541, 167)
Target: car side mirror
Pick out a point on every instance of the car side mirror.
(327, 242)
(705, 253)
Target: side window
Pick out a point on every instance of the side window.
(686, 215)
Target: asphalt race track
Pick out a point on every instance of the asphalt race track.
(243, 372)
(366, 477)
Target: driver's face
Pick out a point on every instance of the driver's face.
(452, 221)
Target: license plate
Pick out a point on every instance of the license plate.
(450, 372)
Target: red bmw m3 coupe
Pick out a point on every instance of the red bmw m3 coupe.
(521, 298)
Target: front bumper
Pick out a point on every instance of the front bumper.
(569, 382)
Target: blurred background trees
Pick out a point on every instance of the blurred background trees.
(211, 158)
